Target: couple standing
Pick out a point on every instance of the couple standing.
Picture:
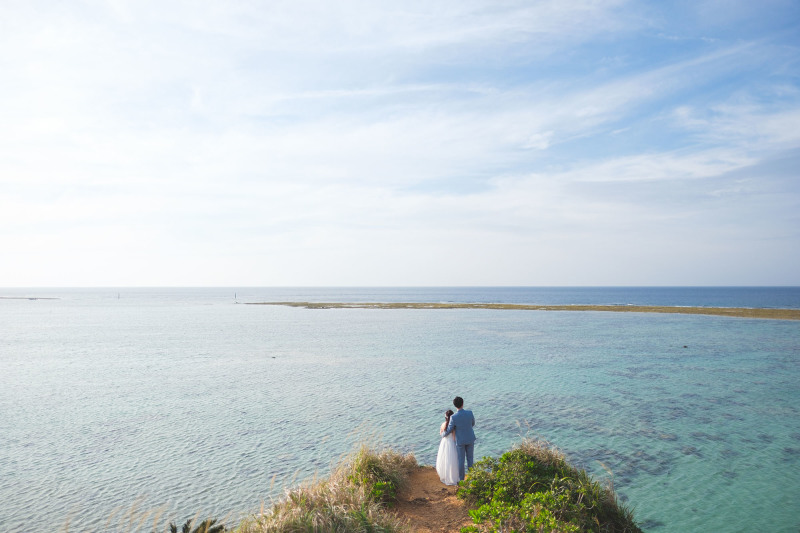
(458, 443)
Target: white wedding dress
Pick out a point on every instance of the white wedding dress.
(447, 460)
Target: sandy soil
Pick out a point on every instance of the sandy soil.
(430, 506)
(774, 314)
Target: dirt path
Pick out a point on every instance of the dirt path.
(430, 506)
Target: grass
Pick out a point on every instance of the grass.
(137, 520)
(532, 488)
(353, 499)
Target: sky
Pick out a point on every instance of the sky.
(413, 143)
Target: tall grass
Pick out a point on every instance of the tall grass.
(531, 488)
(141, 520)
(352, 499)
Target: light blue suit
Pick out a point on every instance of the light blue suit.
(461, 422)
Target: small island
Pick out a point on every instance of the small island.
(739, 312)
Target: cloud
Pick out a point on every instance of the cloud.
(379, 143)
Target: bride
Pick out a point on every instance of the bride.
(447, 459)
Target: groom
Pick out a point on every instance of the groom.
(461, 422)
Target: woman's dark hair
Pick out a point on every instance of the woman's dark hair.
(447, 416)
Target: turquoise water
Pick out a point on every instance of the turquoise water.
(180, 398)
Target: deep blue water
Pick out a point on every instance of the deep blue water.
(178, 398)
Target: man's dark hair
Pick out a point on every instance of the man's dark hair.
(458, 402)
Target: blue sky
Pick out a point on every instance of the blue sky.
(399, 143)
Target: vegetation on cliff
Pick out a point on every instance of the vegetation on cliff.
(353, 499)
(532, 488)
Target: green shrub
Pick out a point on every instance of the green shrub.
(382, 472)
(533, 488)
(206, 526)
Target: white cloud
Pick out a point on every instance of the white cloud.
(748, 126)
(371, 143)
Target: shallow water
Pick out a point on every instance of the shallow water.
(182, 399)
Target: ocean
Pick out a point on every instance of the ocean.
(184, 401)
